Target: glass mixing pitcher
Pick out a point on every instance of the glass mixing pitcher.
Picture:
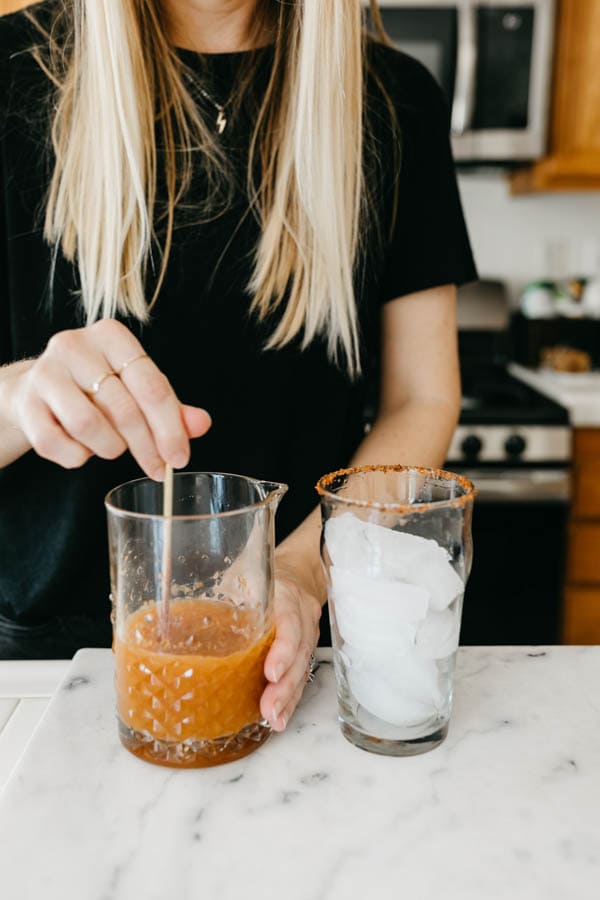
(192, 598)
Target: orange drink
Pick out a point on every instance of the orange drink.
(192, 587)
(191, 696)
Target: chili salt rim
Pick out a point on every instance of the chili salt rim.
(443, 474)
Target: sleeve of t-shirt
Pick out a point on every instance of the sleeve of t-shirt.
(429, 244)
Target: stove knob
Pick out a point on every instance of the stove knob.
(515, 446)
(471, 446)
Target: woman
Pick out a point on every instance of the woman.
(242, 206)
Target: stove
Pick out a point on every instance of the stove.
(493, 396)
(515, 445)
(504, 421)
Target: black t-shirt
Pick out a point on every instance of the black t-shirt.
(286, 415)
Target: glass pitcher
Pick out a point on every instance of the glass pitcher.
(192, 598)
(397, 553)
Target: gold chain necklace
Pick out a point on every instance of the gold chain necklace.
(222, 120)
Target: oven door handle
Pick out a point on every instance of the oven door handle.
(463, 103)
(521, 485)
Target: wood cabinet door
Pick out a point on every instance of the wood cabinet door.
(586, 474)
(581, 618)
(574, 158)
(583, 564)
(576, 114)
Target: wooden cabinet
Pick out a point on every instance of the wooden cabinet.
(586, 481)
(583, 558)
(581, 621)
(573, 162)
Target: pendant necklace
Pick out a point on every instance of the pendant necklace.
(222, 120)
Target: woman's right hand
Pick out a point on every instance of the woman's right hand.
(53, 405)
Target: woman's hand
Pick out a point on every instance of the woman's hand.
(297, 614)
(94, 391)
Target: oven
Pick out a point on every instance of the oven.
(514, 593)
(494, 63)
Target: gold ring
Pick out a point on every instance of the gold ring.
(132, 360)
(97, 384)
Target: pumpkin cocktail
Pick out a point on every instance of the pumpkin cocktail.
(192, 594)
(193, 693)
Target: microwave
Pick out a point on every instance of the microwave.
(493, 61)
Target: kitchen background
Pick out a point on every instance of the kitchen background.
(541, 236)
(523, 83)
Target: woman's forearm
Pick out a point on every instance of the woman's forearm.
(13, 442)
(419, 433)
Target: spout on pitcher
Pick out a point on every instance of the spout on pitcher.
(272, 491)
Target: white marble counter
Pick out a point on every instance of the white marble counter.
(507, 807)
(25, 690)
(577, 392)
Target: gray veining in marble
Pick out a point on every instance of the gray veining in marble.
(508, 807)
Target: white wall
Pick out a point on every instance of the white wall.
(528, 238)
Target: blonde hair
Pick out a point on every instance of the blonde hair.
(120, 83)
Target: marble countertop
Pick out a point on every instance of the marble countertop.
(577, 392)
(507, 807)
(25, 690)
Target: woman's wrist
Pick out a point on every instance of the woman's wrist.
(301, 570)
(14, 443)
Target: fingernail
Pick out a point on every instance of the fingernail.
(179, 460)
(159, 474)
(284, 721)
(278, 671)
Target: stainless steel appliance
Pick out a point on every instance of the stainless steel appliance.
(494, 62)
(515, 444)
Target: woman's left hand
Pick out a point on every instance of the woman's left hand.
(297, 612)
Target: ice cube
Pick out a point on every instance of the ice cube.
(375, 694)
(437, 576)
(370, 612)
(399, 639)
(379, 552)
(358, 626)
(376, 637)
(408, 673)
(345, 540)
(437, 634)
(372, 550)
(422, 562)
(394, 552)
(377, 598)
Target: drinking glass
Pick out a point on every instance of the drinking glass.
(192, 597)
(397, 551)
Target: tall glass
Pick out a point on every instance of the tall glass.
(397, 552)
(192, 615)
